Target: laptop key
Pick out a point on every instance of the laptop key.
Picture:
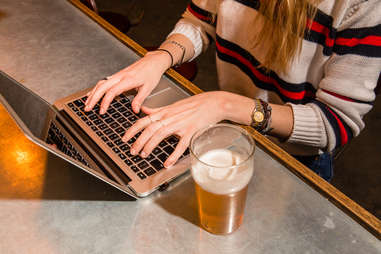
(113, 136)
(89, 123)
(105, 139)
(124, 100)
(111, 111)
(119, 130)
(163, 143)
(168, 149)
(122, 109)
(118, 142)
(162, 157)
(71, 105)
(114, 125)
(133, 119)
(110, 144)
(93, 117)
(116, 150)
(102, 126)
(104, 116)
(127, 125)
(149, 171)
(97, 122)
(116, 115)
(117, 104)
(127, 114)
(78, 103)
(122, 156)
(99, 133)
(143, 165)
(122, 120)
(173, 140)
(107, 131)
(156, 150)
(75, 109)
(149, 157)
(136, 158)
(157, 164)
(131, 141)
(128, 162)
(135, 169)
(109, 120)
(124, 147)
(79, 113)
(141, 175)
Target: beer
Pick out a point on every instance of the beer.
(221, 178)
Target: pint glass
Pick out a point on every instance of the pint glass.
(222, 166)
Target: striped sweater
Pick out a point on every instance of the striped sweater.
(330, 86)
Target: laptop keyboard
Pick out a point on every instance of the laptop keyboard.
(56, 137)
(111, 127)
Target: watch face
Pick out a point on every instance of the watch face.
(258, 116)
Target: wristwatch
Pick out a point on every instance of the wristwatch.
(261, 116)
(258, 115)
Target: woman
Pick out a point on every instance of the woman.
(315, 63)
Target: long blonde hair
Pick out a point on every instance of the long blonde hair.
(284, 26)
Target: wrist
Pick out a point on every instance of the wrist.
(236, 108)
(161, 59)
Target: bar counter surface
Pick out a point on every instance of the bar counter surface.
(47, 205)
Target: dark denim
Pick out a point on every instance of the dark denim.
(321, 164)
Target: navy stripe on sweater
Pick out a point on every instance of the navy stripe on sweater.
(289, 92)
(343, 132)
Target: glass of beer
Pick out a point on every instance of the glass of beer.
(222, 158)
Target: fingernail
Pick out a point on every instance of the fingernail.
(133, 152)
(168, 164)
(87, 108)
(143, 154)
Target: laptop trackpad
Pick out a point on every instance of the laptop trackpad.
(164, 97)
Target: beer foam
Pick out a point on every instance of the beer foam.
(223, 178)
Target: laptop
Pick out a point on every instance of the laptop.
(92, 141)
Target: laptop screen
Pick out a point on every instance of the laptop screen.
(29, 107)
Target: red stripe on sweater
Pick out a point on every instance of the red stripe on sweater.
(197, 15)
(371, 40)
(319, 28)
(338, 95)
(343, 132)
(260, 76)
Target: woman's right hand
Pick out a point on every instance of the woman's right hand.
(143, 75)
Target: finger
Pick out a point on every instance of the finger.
(89, 94)
(112, 93)
(173, 124)
(149, 111)
(99, 91)
(180, 149)
(139, 98)
(136, 127)
(148, 132)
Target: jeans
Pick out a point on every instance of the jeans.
(321, 164)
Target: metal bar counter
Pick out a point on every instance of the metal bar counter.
(48, 205)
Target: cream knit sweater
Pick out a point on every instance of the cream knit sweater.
(330, 86)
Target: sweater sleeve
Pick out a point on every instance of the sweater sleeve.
(198, 24)
(347, 90)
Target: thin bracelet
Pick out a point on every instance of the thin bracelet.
(182, 48)
(169, 53)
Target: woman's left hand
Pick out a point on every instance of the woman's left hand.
(183, 119)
